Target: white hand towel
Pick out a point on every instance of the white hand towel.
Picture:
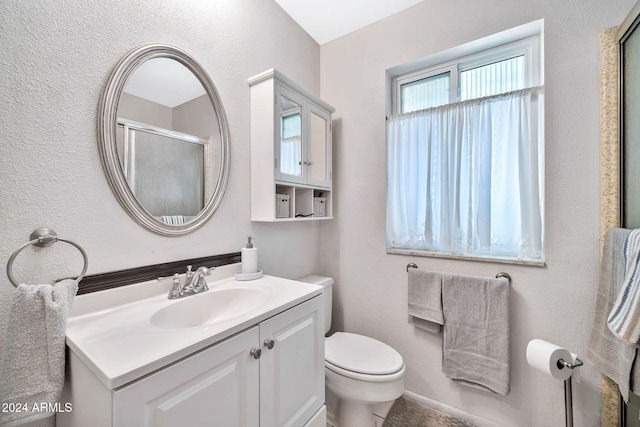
(425, 299)
(33, 353)
(476, 331)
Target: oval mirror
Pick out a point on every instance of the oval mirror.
(164, 140)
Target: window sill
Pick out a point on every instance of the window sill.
(484, 258)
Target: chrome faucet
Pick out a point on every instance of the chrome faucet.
(194, 283)
(194, 280)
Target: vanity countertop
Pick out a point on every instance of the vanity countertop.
(112, 333)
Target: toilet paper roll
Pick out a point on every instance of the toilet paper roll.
(544, 356)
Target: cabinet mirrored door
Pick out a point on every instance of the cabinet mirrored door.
(291, 154)
(290, 137)
(304, 150)
(319, 147)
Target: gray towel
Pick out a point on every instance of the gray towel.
(476, 331)
(425, 299)
(32, 364)
(609, 354)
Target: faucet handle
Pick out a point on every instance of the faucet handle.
(160, 279)
(189, 271)
(201, 283)
(176, 289)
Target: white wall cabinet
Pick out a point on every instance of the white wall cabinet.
(229, 384)
(290, 151)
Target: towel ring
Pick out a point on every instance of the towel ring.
(44, 237)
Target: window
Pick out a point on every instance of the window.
(465, 157)
(426, 92)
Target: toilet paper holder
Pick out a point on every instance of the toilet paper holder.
(568, 394)
(557, 362)
(564, 364)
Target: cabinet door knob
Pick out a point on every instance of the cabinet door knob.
(269, 343)
(256, 353)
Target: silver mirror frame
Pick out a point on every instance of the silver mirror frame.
(107, 118)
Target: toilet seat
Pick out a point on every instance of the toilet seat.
(360, 357)
(364, 377)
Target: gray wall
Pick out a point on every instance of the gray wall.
(144, 111)
(56, 59)
(196, 118)
(554, 303)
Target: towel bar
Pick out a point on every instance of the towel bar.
(505, 275)
(44, 237)
(499, 275)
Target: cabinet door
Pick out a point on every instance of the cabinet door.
(290, 138)
(319, 153)
(216, 387)
(292, 371)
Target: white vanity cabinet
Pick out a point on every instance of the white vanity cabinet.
(268, 375)
(292, 365)
(291, 177)
(217, 386)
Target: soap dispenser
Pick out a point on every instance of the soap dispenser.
(249, 256)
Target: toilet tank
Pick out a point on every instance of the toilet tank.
(327, 284)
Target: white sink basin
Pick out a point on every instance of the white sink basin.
(209, 307)
(124, 333)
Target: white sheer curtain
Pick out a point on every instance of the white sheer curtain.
(466, 178)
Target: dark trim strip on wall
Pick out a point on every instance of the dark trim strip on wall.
(115, 279)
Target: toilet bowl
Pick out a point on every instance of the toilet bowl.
(360, 372)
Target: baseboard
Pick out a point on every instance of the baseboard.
(446, 409)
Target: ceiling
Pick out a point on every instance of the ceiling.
(178, 83)
(326, 20)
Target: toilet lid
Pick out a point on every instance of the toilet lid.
(358, 353)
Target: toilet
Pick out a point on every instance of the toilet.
(360, 372)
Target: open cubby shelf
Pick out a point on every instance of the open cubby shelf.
(302, 203)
